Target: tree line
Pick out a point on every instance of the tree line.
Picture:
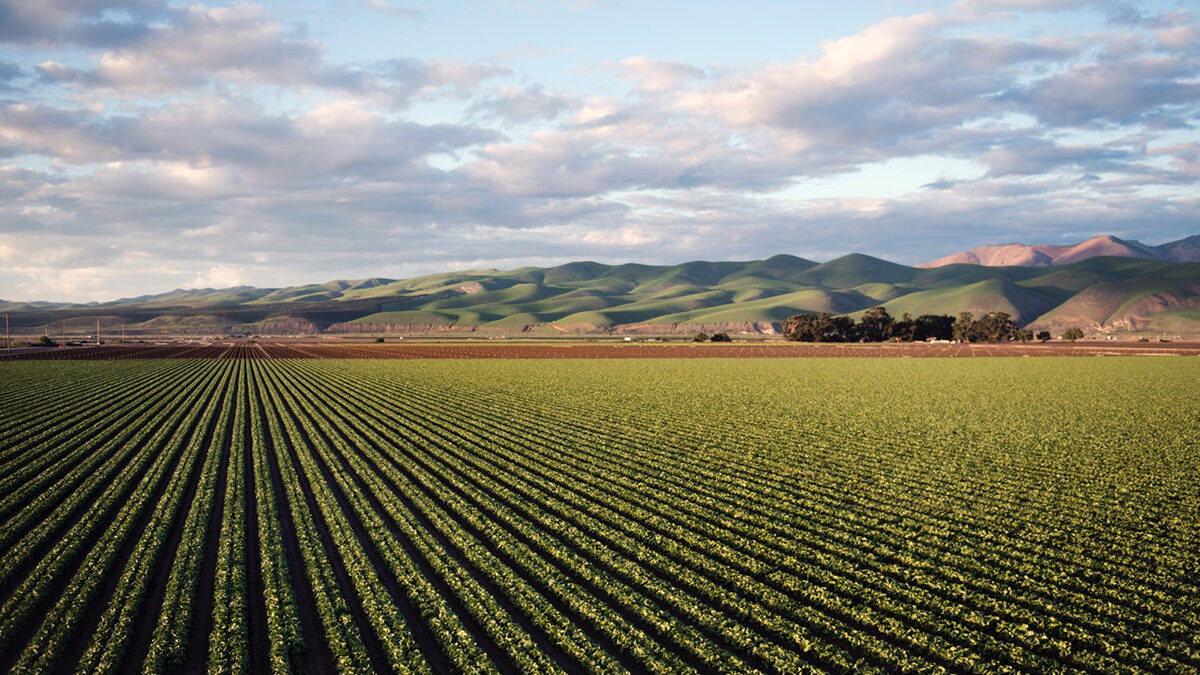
(876, 325)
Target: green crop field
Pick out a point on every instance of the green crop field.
(776, 515)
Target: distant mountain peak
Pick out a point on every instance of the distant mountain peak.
(1106, 294)
(1045, 255)
(1183, 250)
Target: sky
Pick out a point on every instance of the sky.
(148, 145)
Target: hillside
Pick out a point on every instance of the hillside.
(1042, 255)
(1100, 294)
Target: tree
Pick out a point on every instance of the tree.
(905, 328)
(801, 328)
(996, 327)
(964, 327)
(45, 341)
(1024, 335)
(721, 337)
(700, 337)
(1044, 336)
(1073, 333)
(822, 327)
(875, 325)
(933, 327)
(835, 328)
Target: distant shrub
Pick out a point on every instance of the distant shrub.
(721, 337)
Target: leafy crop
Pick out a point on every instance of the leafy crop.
(889, 515)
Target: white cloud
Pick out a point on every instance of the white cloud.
(240, 43)
(625, 237)
(50, 22)
(522, 104)
(218, 276)
(656, 75)
(222, 145)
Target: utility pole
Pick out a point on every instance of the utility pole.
(7, 337)
(97, 332)
(64, 327)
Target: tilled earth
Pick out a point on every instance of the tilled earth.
(443, 350)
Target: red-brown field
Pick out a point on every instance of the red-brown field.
(560, 350)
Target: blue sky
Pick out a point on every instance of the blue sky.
(148, 145)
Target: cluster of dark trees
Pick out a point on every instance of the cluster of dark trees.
(994, 327)
(876, 325)
(715, 337)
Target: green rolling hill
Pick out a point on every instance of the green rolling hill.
(1099, 294)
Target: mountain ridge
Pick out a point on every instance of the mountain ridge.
(1112, 294)
(1046, 255)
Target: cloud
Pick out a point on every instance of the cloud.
(1161, 90)
(656, 75)
(400, 12)
(218, 276)
(200, 46)
(1037, 156)
(522, 104)
(49, 22)
(1024, 5)
(437, 77)
(341, 137)
(240, 43)
(890, 83)
(9, 73)
(214, 146)
(625, 237)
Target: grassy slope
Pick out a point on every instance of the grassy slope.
(582, 295)
(992, 295)
(1133, 300)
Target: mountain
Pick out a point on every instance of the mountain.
(1184, 250)
(1043, 255)
(1100, 294)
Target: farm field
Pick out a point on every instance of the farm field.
(599, 515)
(574, 349)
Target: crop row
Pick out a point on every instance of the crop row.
(429, 516)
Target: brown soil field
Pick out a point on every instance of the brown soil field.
(442, 350)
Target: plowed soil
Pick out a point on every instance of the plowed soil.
(442, 350)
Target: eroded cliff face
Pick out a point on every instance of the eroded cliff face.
(289, 326)
(397, 328)
(1141, 314)
(754, 328)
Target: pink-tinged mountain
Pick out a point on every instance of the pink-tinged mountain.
(1045, 255)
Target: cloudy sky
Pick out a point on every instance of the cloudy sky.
(147, 145)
